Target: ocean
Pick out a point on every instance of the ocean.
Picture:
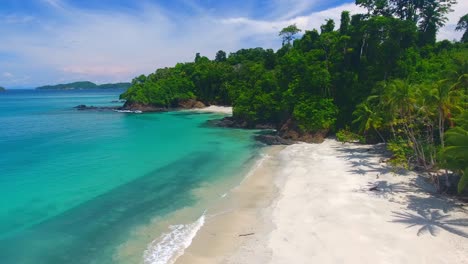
(107, 187)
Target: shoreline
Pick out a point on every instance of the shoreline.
(213, 109)
(312, 203)
(240, 218)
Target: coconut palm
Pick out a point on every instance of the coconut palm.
(446, 97)
(456, 153)
(368, 117)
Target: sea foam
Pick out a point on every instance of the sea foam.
(167, 248)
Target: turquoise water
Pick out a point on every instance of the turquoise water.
(75, 185)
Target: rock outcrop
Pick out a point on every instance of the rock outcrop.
(183, 104)
(291, 131)
(147, 108)
(91, 107)
(274, 140)
(191, 104)
(233, 122)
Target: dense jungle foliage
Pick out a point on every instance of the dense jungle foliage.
(378, 76)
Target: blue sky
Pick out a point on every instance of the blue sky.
(56, 41)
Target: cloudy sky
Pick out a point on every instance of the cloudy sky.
(56, 41)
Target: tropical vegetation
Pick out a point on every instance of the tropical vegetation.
(380, 76)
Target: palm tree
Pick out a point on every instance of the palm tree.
(456, 153)
(399, 101)
(462, 25)
(399, 98)
(368, 117)
(446, 97)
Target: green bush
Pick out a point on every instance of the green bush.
(346, 135)
(402, 153)
(455, 154)
(315, 114)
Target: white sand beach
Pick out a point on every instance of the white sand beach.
(214, 109)
(311, 203)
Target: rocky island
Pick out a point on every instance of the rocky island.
(84, 85)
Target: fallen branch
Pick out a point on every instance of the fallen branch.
(248, 234)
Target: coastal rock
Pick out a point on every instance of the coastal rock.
(233, 122)
(91, 107)
(142, 107)
(274, 140)
(227, 122)
(291, 131)
(287, 135)
(191, 104)
(85, 107)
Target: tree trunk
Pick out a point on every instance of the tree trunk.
(380, 135)
(441, 127)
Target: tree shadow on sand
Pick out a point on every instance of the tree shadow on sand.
(431, 222)
(423, 208)
(385, 188)
(362, 163)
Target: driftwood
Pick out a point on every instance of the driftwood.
(248, 234)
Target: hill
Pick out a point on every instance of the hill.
(84, 85)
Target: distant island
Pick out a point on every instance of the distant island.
(84, 85)
(2, 89)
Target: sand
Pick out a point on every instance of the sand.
(242, 213)
(311, 203)
(214, 109)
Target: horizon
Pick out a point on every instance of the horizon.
(46, 42)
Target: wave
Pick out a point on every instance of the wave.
(170, 246)
(167, 248)
(258, 163)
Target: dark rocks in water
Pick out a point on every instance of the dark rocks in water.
(291, 131)
(226, 122)
(90, 107)
(182, 104)
(265, 137)
(232, 122)
(143, 107)
(85, 107)
(274, 140)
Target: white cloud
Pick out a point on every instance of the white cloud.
(54, 3)
(269, 29)
(7, 75)
(108, 46)
(286, 9)
(448, 31)
(16, 19)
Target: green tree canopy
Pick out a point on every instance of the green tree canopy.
(288, 34)
(463, 26)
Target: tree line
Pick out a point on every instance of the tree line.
(378, 76)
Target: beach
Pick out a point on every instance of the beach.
(214, 109)
(332, 203)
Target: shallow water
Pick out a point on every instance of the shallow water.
(76, 185)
